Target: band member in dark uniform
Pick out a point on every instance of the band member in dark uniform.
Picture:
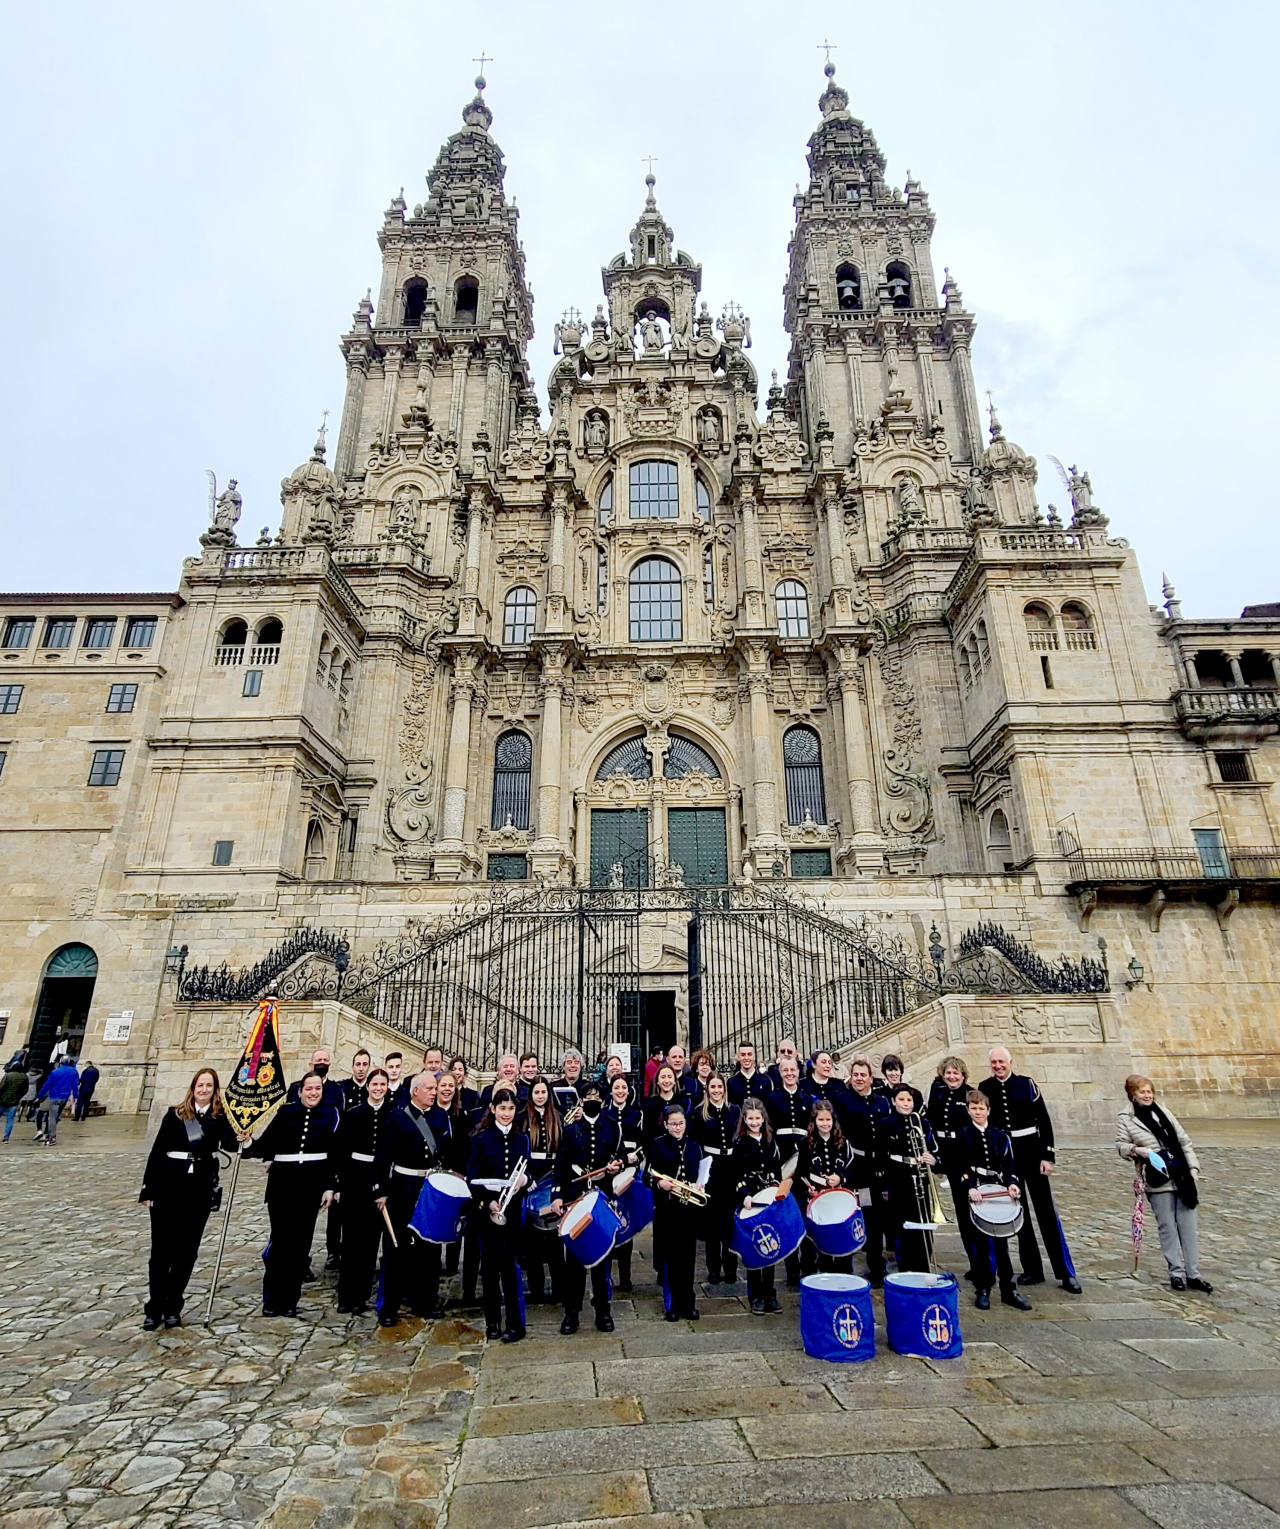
(822, 1082)
(299, 1144)
(454, 1138)
(1018, 1109)
(541, 1122)
(825, 1163)
(335, 1095)
(666, 1090)
(908, 1152)
(789, 1109)
(500, 1158)
(747, 1078)
(756, 1166)
(713, 1126)
(863, 1115)
(675, 1158)
(786, 1052)
(948, 1113)
(410, 1271)
(178, 1188)
(702, 1066)
(631, 1126)
(892, 1069)
(983, 1156)
(353, 1088)
(470, 1097)
(398, 1096)
(590, 1143)
(571, 1073)
(361, 1135)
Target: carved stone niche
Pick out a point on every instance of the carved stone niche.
(595, 433)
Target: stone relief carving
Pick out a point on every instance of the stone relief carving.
(657, 694)
(650, 409)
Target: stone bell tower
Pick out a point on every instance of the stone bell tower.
(861, 299)
(446, 343)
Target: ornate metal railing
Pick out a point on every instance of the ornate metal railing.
(1061, 976)
(1146, 866)
(219, 984)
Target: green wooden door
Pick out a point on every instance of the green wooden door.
(696, 842)
(620, 835)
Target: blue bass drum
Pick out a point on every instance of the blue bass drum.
(922, 1314)
(836, 1320)
(589, 1228)
(835, 1223)
(633, 1201)
(537, 1205)
(442, 1203)
(766, 1234)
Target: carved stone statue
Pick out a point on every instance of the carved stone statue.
(910, 504)
(596, 431)
(1081, 490)
(651, 336)
(709, 427)
(227, 512)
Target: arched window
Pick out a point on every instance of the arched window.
(512, 773)
(999, 844)
(466, 300)
(966, 668)
(802, 761)
(656, 604)
(1042, 635)
(703, 498)
(1077, 627)
(984, 643)
(63, 1008)
(898, 279)
(792, 600)
(848, 288)
(316, 867)
(415, 301)
(630, 756)
(517, 614)
(231, 643)
(684, 755)
(709, 574)
(604, 505)
(654, 491)
(266, 642)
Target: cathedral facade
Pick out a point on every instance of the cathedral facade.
(665, 633)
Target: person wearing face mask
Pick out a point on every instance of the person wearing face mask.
(590, 1143)
(713, 1125)
(179, 1188)
(361, 1135)
(675, 1157)
(299, 1144)
(410, 1151)
(948, 1112)
(630, 1124)
(541, 1123)
(497, 1152)
(332, 1093)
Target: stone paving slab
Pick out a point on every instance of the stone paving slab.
(1058, 1423)
(533, 1417)
(916, 1391)
(551, 1498)
(580, 1450)
(875, 1513)
(838, 1479)
(1201, 1507)
(1096, 1509)
(1215, 1459)
(860, 1433)
(681, 1373)
(1221, 1417)
(1204, 1354)
(752, 1401)
(1021, 1468)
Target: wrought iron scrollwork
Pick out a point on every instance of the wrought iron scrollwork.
(315, 978)
(973, 958)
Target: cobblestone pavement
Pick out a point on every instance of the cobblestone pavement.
(1127, 1406)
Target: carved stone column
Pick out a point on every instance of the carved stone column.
(752, 563)
(582, 839)
(657, 743)
(549, 857)
(390, 385)
(1237, 673)
(352, 409)
(555, 572)
(452, 860)
(766, 843)
(477, 515)
(865, 824)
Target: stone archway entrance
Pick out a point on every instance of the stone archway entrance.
(63, 1007)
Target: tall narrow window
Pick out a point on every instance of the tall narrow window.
(792, 600)
(898, 279)
(316, 866)
(518, 613)
(703, 498)
(604, 505)
(656, 607)
(999, 842)
(709, 574)
(654, 491)
(848, 288)
(99, 632)
(602, 578)
(18, 631)
(415, 300)
(512, 774)
(802, 761)
(58, 630)
(140, 631)
(466, 300)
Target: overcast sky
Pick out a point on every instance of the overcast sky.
(192, 195)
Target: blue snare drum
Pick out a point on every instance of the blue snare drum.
(922, 1314)
(537, 1204)
(589, 1228)
(835, 1223)
(766, 1234)
(442, 1203)
(633, 1201)
(836, 1321)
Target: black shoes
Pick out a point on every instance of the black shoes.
(1176, 1282)
(626, 1289)
(173, 1321)
(149, 1324)
(493, 1331)
(671, 1316)
(513, 1335)
(1011, 1297)
(310, 1277)
(757, 1307)
(1071, 1285)
(693, 1315)
(1202, 1285)
(570, 1324)
(388, 1318)
(604, 1321)
(772, 1303)
(1031, 1279)
(331, 1263)
(982, 1300)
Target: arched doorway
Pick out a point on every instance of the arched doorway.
(65, 995)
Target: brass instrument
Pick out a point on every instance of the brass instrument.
(928, 1209)
(688, 1194)
(498, 1208)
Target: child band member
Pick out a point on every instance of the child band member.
(757, 1165)
(675, 1158)
(499, 1158)
(984, 1156)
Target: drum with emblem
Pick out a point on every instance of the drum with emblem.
(442, 1204)
(836, 1318)
(589, 1228)
(766, 1234)
(633, 1202)
(996, 1213)
(835, 1223)
(922, 1315)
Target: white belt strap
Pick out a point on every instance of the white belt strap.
(300, 1157)
(858, 1151)
(713, 1151)
(539, 1157)
(362, 1157)
(179, 1157)
(410, 1173)
(894, 1157)
(791, 1131)
(1026, 1131)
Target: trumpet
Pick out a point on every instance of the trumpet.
(498, 1209)
(688, 1194)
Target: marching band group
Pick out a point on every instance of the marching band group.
(709, 1148)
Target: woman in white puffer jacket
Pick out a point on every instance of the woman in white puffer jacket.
(1144, 1129)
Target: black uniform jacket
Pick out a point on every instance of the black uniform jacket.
(899, 1144)
(652, 1110)
(1018, 1109)
(948, 1114)
(984, 1157)
(756, 1163)
(789, 1117)
(404, 1156)
(715, 1136)
(353, 1093)
(819, 1159)
(362, 1132)
(587, 1144)
(672, 1159)
(630, 1124)
(300, 1144)
(494, 1155)
(739, 1086)
(333, 1094)
(862, 1119)
(180, 1175)
(542, 1160)
(832, 1090)
(889, 1089)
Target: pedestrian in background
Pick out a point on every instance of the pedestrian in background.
(61, 1086)
(13, 1090)
(1154, 1138)
(84, 1098)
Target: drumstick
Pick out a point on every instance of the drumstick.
(391, 1231)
